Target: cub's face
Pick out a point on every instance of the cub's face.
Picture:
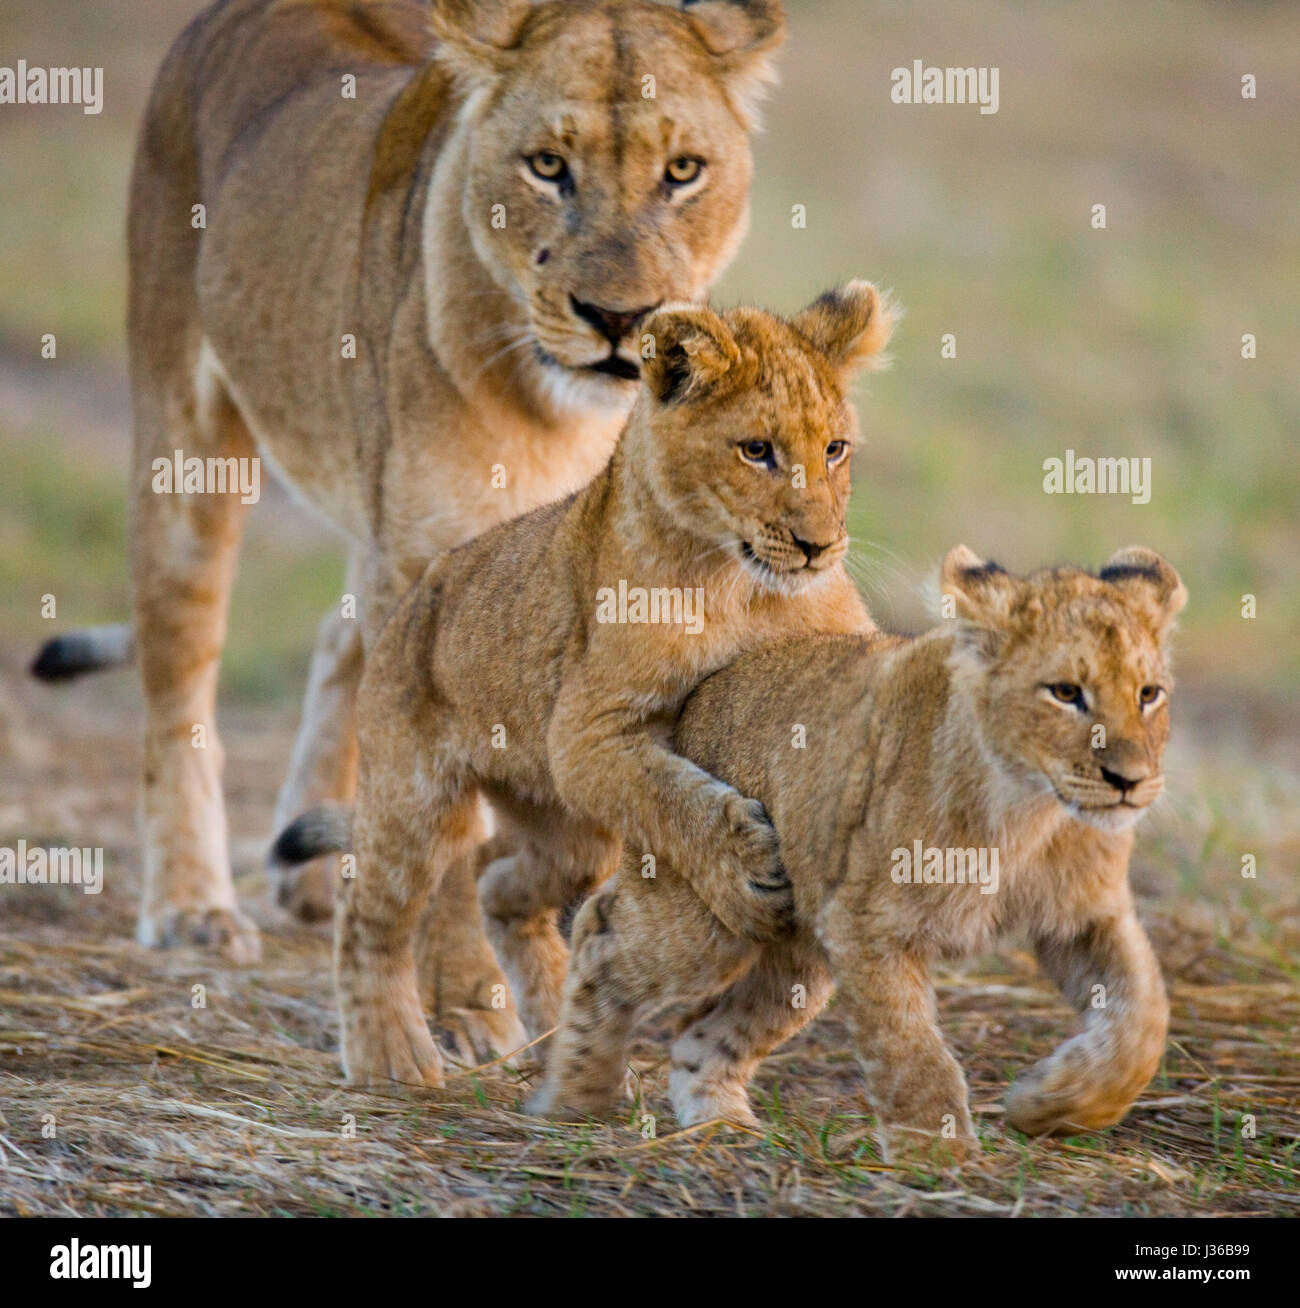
(746, 434)
(609, 171)
(1073, 680)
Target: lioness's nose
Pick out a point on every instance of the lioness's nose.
(612, 324)
(1121, 782)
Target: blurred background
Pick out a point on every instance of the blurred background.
(1118, 342)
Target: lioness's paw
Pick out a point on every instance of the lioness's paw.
(226, 930)
(306, 892)
(750, 891)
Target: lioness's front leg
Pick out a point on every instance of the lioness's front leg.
(1108, 971)
(914, 1083)
(610, 764)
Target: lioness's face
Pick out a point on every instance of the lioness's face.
(747, 434)
(609, 173)
(1078, 686)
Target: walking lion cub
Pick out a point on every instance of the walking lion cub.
(983, 777)
(543, 664)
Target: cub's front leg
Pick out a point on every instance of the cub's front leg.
(614, 767)
(1107, 970)
(913, 1082)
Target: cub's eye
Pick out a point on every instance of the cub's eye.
(759, 453)
(548, 166)
(835, 451)
(1149, 695)
(1067, 692)
(683, 170)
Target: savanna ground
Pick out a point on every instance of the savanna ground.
(1115, 342)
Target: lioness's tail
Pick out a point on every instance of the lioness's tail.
(89, 649)
(324, 830)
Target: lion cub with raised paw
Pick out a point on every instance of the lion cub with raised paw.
(983, 777)
(543, 664)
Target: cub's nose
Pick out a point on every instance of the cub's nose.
(810, 551)
(612, 324)
(1121, 783)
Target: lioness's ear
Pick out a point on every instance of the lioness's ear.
(690, 348)
(1149, 578)
(975, 591)
(478, 36)
(742, 35)
(850, 325)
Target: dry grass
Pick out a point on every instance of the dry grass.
(238, 1107)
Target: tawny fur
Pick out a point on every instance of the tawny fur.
(954, 739)
(470, 397)
(498, 675)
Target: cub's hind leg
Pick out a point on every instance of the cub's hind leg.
(720, 1048)
(638, 945)
(416, 812)
(540, 861)
(462, 986)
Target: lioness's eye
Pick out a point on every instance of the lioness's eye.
(835, 451)
(758, 453)
(683, 170)
(1067, 692)
(1148, 695)
(548, 166)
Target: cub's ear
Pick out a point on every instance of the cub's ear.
(478, 37)
(975, 591)
(850, 325)
(1148, 578)
(742, 35)
(691, 349)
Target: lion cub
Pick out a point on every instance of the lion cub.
(982, 777)
(543, 664)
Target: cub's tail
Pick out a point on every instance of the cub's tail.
(90, 649)
(324, 830)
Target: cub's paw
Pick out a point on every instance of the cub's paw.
(483, 1035)
(385, 1037)
(907, 1146)
(1048, 1099)
(550, 1102)
(748, 888)
(226, 930)
(693, 1104)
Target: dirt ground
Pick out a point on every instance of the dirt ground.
(119, 1095)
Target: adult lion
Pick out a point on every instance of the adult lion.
(400, 252)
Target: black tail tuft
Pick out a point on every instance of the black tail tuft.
(325, 830)
(89, 650)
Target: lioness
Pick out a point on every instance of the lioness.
(1032, 730)
(400, 250)
(543, 663)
